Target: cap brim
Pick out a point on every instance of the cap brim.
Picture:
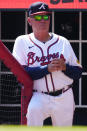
(41, 12)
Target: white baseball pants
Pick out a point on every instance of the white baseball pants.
(59, 108)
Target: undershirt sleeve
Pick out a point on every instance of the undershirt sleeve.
(73, 72)
(36, 72)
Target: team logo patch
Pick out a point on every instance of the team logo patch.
(78, 62)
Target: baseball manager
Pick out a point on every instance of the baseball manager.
(53, 66)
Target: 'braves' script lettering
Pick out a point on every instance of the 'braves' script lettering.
(44, 60)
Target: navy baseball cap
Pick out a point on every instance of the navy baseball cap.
(38, 8)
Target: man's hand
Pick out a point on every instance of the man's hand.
(57, 65)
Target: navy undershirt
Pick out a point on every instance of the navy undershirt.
(74, 72)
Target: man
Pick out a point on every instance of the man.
(51, 62)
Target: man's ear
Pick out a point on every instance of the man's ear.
(29, 21)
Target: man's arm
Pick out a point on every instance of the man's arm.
(36, 72)
(73, 72)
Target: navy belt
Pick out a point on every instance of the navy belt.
(56, 93)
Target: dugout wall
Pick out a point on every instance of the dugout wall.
(72, 25)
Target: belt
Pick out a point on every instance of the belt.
(56, 93)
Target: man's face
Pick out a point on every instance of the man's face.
(40, 23)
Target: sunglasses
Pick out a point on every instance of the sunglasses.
(40, 17)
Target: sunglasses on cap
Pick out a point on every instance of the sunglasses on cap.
(40, 17)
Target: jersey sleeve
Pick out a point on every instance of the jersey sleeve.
(73, 67)
(18, 50)
(72, 57)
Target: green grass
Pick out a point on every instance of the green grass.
(45, 128)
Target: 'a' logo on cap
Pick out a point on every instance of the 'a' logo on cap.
(42, 7)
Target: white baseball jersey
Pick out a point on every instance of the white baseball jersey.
(33, 53)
